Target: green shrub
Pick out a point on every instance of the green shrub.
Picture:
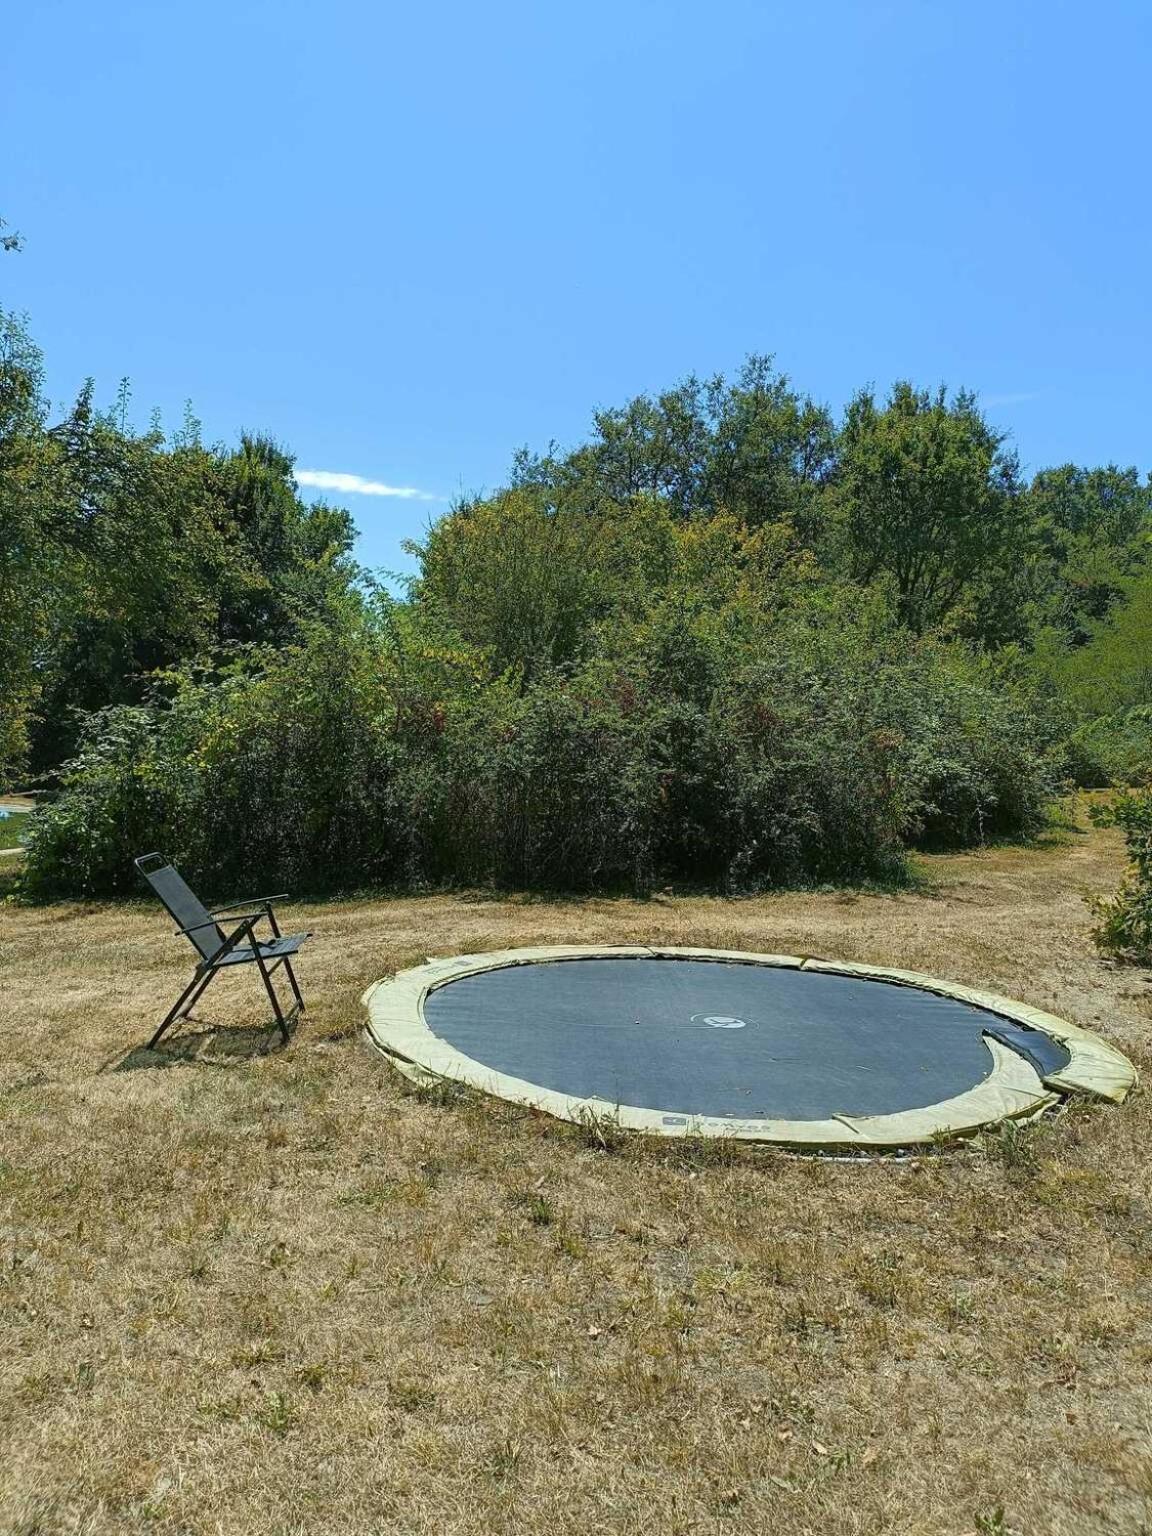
(720, 751)
(984, 762)
(276, 771)
(1124, 921)
(1116, 749)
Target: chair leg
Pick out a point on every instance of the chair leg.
(271, 990)
(187, 999)
(293, 984)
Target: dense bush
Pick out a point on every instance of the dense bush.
(1097, 690)
(726, 640)
(1124, 921)
(1112, 749)
(805, 751)
(277, 767)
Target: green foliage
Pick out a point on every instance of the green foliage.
(753, 448)
(1099, 691)
(121, 553)
(29, 564)
(725, 641)
(739, 755)
(1112, 749)
(1124, 921)
(520, 578)
(12, 829)
(533, 580)
(929, 501)
(1092, 535)
(274, 766)
(1111, 672)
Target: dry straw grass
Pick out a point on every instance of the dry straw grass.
(260, 1290)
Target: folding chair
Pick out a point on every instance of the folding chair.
(218, 950)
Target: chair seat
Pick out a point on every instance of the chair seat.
(270, 949)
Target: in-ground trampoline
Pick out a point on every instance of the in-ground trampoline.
(771, 1048)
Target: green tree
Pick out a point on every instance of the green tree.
(929, 502)
(122, 552)
(753, 447)
(287, 559)
(1094, 533)
(29, 555)
(520, 577)
(1112, 671)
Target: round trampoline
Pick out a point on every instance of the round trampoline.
(774, 1048)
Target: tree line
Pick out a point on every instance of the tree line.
(730, 638)
(124, 553)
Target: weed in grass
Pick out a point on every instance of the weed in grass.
(1013, 1144)
(696, 1152)
(994, 1523)
(411, 1396)
(943, 1139)
(439, 1092)
(797, 1319)
(413, 1192)
(601, 1130)
(277, 1415)
(433, 1169)
(569, 1242)
(221, 1410)
(264, 1351)
(373, 1196)
(313, 1376)
(959, 1310)
(884, 1281)
(278, 1255)
(537, 1207)
(504, 1460)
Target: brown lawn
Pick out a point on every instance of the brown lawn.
(247, 1289)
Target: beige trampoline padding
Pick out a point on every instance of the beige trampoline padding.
(1013, 1088)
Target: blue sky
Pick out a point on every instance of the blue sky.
(406, 239)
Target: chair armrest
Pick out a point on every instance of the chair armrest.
(248, 920)
(245, 927)
(254, 901)
(194, 928)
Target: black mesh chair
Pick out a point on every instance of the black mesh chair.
(219, 950)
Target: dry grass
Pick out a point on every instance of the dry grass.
(261, 1290)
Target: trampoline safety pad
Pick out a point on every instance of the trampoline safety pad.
(774, 1048)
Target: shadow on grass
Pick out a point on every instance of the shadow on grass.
(210, 1045)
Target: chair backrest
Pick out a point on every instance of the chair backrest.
(183, 905)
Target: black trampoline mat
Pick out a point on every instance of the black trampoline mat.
(725, 1039)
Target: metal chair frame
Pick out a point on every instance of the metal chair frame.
(220, 951)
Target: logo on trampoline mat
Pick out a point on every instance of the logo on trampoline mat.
(720, 1020)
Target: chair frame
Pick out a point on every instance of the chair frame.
(209, 967)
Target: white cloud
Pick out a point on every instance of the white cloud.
(1011, 399)
(356, 485)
